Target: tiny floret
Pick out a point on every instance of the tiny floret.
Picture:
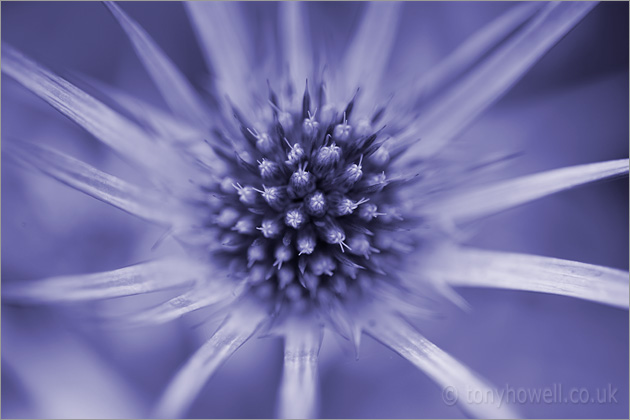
(295, 218)
(264, 143)
(270, 228)
(342, 132)
(268, 169)
(316, 204)
(310, 127)
(247, 195)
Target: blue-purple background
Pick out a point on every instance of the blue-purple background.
(571, 108)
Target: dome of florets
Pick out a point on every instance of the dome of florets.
(307, 208)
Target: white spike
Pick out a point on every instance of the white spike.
(158, 120)
(142, 202)
(118, 132)
(70, 379)
(224, 41)
(176, 90)
(217, 294)
(298, 51)
(457, 381)
(298, 397)
(190, 379)
(480, 268)
(471, 50)
(136, 279)
(489, 81)
(490, 199)
(167, 128)
(367, 56)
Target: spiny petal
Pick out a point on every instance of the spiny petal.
(296, 41)
(485, 85)
(342, 321)
(224, 43)
(455, 379)
(62, 374)
(217, 295)
(479, 268)
(176, 90)
(161, 122)
(469, 52)
(147, 204)
(190, 379)
(503, 195)
(111, 128)
(170, 130)
(368, 54)
(298, 398)
(136, 279)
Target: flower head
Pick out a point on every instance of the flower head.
(307, 198)
(317, 221)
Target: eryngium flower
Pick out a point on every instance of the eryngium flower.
(310, 192)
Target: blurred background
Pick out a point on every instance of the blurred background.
(571, 108)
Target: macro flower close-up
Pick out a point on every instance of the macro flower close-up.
(315, 209)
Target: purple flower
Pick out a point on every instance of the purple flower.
(309, 187)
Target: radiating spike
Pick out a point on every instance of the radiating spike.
(298, 397)
(409, 297)
(487, 200)
(453, 377)
(190, 379)
(119, 133)
(217, 295)
(480, 268)
(493, 78)
(176, 90)
(469, 52)
(223, 36)
(306, 104)
(368, 54)
(297, 49)
(149, 115)
(63, 371)
(147, 204)
(167, 128)
(339, 316)
(136, 279)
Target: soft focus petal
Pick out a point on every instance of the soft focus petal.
(128, 281)
(298, 398)
(224, 40)
(167, 126)
(479, 268)
(481, 88)
(216, 297)
(294, 35)
(144, 203)
(456, 380)
(111, 128)
(62, 373)
(468, 53)
(502, 195)
(187, 383)
(368, 53)
(173, 85)
(182, 135)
